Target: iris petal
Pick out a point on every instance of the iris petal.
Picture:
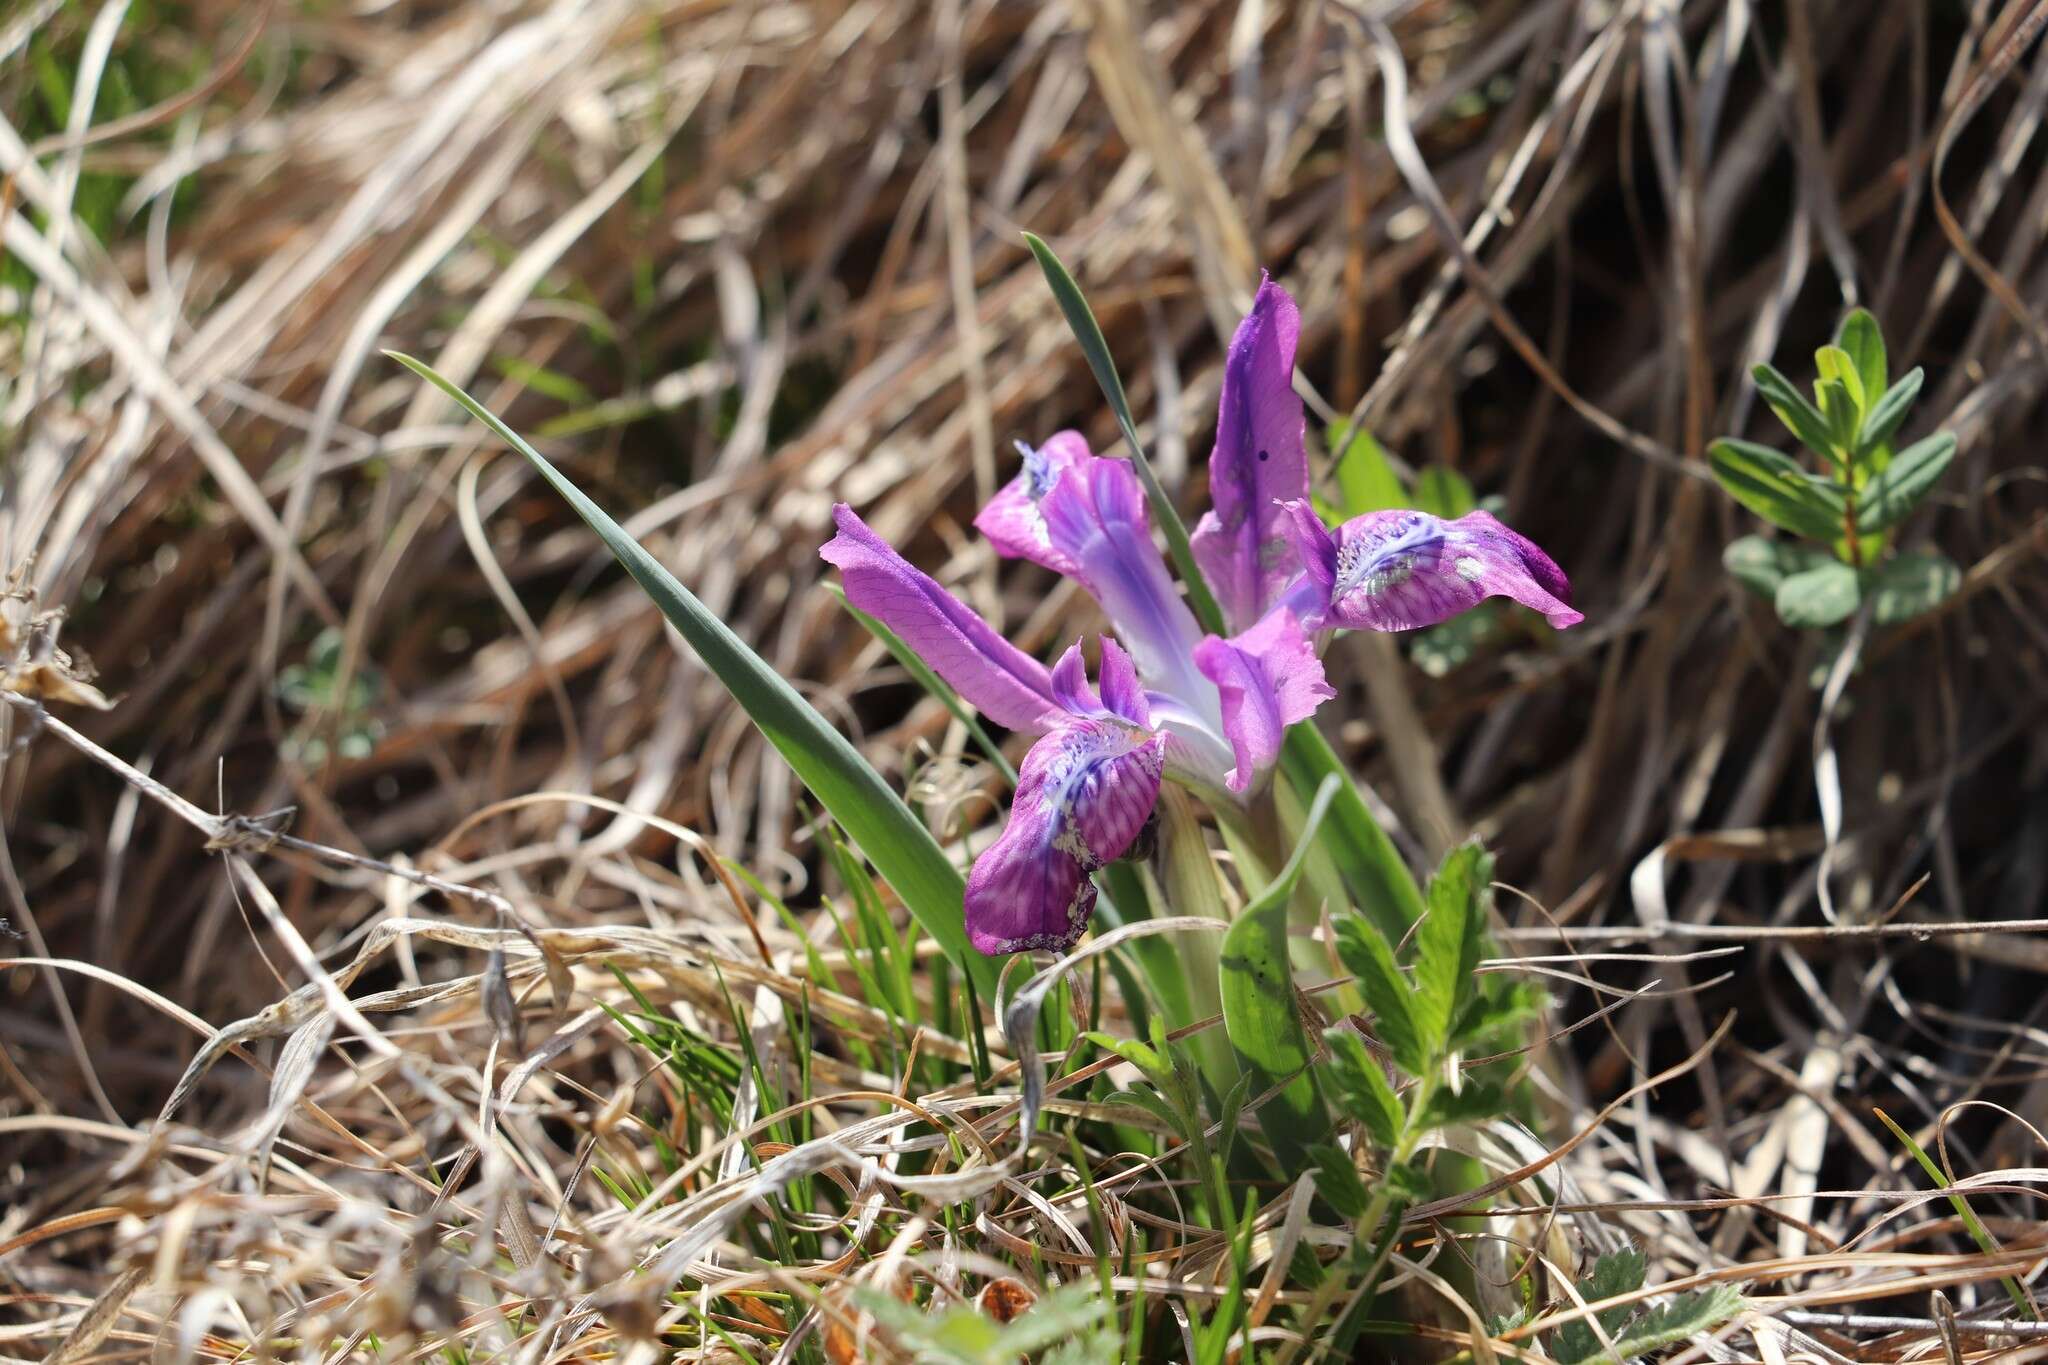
(1012, 520)
(1258, 462)
(1269, 677)
(1399, 570)
(1003, 682)
(1083, 794)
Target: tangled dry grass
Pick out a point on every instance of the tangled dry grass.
(590, 1014)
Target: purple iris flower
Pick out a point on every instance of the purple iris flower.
(1207, 711)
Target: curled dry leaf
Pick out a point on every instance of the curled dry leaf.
(1005, 1300)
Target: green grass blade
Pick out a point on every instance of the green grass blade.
(1088, 332)
(1979, 1234)
(868, 808)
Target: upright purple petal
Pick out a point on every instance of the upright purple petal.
(1096, 516)
(1003, 682)
(1258, 462)
(1012, 520)
(1398, 570)
(1270, 678)
(1121, 694)
(1313, 543)
(1083, 794)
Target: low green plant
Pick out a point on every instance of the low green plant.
(1844, 512)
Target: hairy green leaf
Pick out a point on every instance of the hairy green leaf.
(1360, 1088)
(1613, 1275)
(1447, 942)
(1337, 1180)
(1367, 956)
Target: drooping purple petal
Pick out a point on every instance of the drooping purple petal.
(1003, 682)
(1083, 794)
(1269, 677)
(1095, 515)
(1398, 570)
(1012, 520)
(1258, 462)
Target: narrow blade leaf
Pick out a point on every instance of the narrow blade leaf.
(867, 807)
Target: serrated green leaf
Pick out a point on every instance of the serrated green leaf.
(1900, 486)
(1760, 564)
(1095, 348)
(1259, 1014)
(1683, 1318)
(1610, 1278)
(1860, 339)
(1888, 413)
(1447, 942)
(1775, 488)
(1360, 1088)
(1800, 417)
(891, 836)
(1365, 955)
(1337, 1180)
(1613, 1275)
(1819, 596)
(1366, 481)
(1474, 1102)
(1443, 492)
(1910, 584)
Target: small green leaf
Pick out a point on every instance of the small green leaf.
(1775, 488)
(1365, 954)
(1366, 481)
(1843, 416)
(1860, 340)
(1837, 367)
(1360, 1087)
(1680, 1320)
(1131, 1050)
(1819, 596)
(1613, 1275)
(1898, 489)
(1337, 1180)
(1443, 492)
(1447, 942)
(1761, 565)
(1888, 413)
(1910, 584)
(1474, 1102)
(1800, 417)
